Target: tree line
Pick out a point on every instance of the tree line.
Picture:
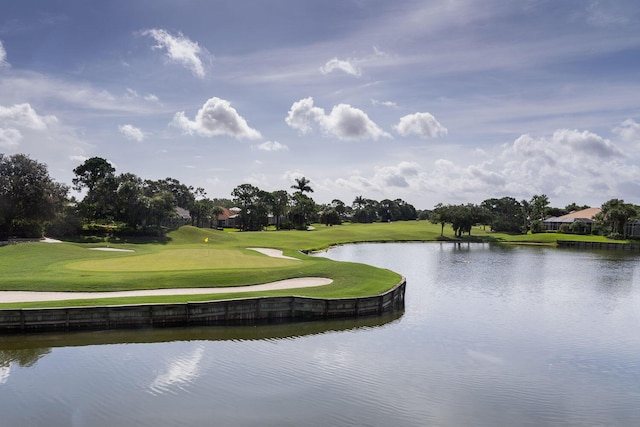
(33, 204)
(509, 215)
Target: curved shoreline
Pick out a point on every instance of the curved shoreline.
(31, 296)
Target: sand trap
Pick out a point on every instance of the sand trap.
(25, 296)
(111, 249)
(49, 240)
(274, 253)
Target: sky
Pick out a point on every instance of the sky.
(430, 101)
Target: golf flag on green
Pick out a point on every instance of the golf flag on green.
(206, 240)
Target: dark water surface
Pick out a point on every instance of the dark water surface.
(490, 336)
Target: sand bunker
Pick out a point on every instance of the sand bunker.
(274, 253)
(297, 283)
(111, 249)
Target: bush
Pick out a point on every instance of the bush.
(564, 228)
(536, 226)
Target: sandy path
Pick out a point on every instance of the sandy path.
(25, 296)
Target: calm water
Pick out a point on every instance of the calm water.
(490, 336)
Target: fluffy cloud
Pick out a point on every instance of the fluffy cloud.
(272, 146)
(24, 115)
(570, 165)
(3, 56)
(397, 176)
(9, 137)
(385, 181)
(131, 132)
(629, 131)
(216, 117)
(179, 49)
(346, 66)
(587, 143)
(422, 124)
(344, 122)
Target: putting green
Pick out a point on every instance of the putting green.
(181, 259)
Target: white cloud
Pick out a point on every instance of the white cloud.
(272, 146)
(396, 176)
(390, 104)
(25, 116)
(346, 66)
(587, 142)
(422, 124)
(344, 122)
(10, 137)
(151, 98)
(179, 49)
(3, 56)
(303, 114)
(570, 165)
(629, 131)
(29, 85)
(131, 132)
(216, 117)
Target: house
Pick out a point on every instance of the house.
(585, 216)
(228, 218)
(632, 228)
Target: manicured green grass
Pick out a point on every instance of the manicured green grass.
(187, 261)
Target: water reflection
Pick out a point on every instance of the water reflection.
(27, 349)
(181, 371)
(491, 336)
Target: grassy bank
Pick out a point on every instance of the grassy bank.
(185, 260)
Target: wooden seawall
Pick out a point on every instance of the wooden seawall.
(610, 246)
(223, 312)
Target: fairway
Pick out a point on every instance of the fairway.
(181, 259)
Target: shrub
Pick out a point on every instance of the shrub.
(536, 226)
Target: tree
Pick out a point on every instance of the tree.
(303, 205)
(539, 206)
(407, 211)
(340, 208)
(302, 185)
(250, 200)
(279, 206)
(98, 176)
(388, 210)
(440, 215)
(506, 214)
(204, 213)
(92, 173)
(329, 215)
(29, 198)
(614, 215)
(365, 210)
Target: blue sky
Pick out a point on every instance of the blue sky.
(449, 101)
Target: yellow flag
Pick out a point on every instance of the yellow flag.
(206, 240)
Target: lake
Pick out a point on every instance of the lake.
(491, 335)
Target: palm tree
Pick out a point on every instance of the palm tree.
(302, 185)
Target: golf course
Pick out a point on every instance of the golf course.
(191, 257)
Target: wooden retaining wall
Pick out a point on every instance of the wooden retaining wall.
(225, 312)
(610, 246)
